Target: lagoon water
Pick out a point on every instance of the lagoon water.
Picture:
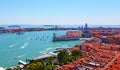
(28, 45)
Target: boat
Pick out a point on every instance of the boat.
(17, 57)
(19, 33)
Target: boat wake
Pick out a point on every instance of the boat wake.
(12, 45)
(24, 45)
(48, 49)
(17, 57)
(29, 38)
(66, 46)
(41, 51)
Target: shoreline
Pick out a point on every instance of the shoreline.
(21, 30)
(72, 47)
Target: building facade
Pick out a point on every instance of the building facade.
(86, 32)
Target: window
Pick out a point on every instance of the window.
(110, 66)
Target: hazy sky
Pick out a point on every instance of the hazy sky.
(60, 12)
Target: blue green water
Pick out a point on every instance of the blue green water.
(28, 45)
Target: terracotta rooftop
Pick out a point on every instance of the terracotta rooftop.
(102, 59)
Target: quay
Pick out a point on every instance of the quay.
(21, 64)
(1, 68)
(49, 54)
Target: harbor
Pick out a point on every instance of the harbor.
(38, 40)
(59, 35)
(17, 45)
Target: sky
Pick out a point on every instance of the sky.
(60, 12)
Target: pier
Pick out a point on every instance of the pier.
(49, 54)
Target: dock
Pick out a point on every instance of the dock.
(21, 64)
(49, 54)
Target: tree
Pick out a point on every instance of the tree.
(49, 60)
(77, 53)
(34, 66)
(62, 54)
(39, 65)
(17, 68)
(63, 57)
(56, 63)
(49, 67)
(9, 69)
